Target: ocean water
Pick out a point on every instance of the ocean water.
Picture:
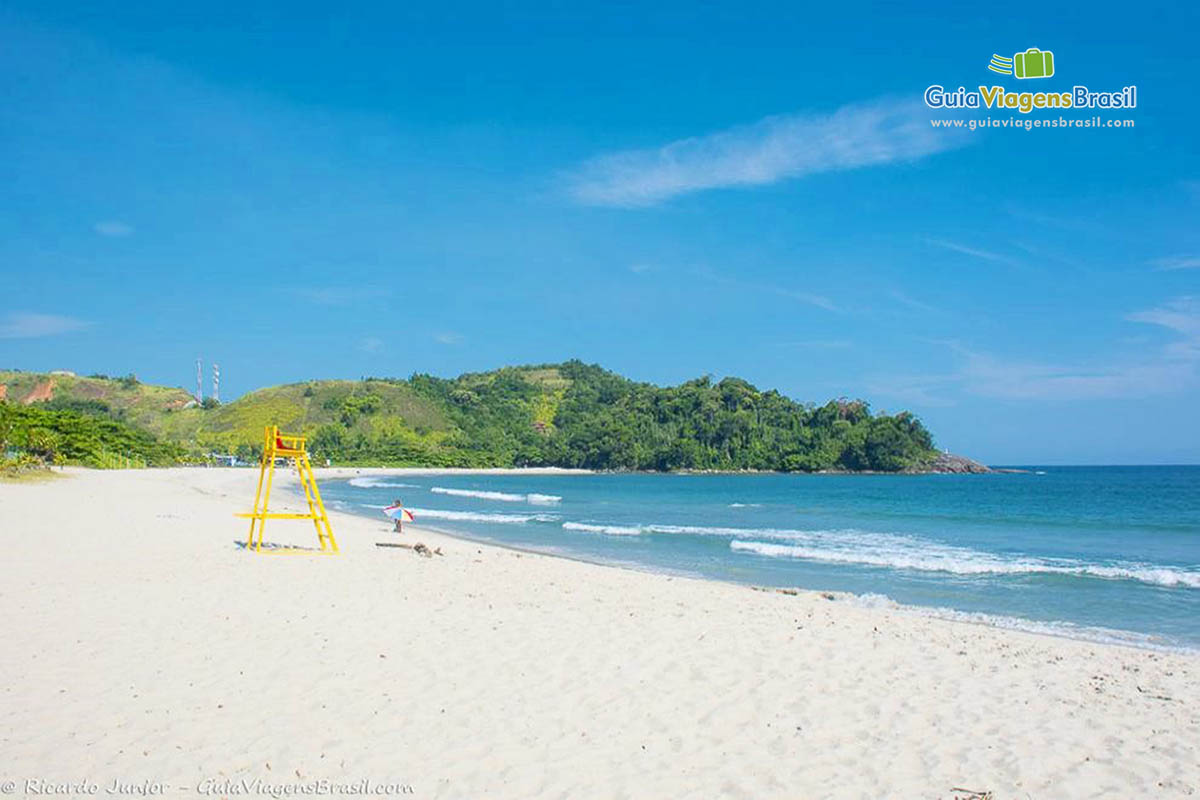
(1104, 553)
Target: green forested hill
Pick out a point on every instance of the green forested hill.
(571, 415)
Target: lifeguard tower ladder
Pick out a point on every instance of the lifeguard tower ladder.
(282, 445)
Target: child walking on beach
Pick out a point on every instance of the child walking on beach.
(398, 513)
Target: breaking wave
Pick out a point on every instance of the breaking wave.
(476, 516)
(503, 497)
(611, 530)
(893, 551)
(911, 554)
(377, 483)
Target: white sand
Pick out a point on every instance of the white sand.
(141, 644)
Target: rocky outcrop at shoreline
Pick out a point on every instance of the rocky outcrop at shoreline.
(951, 464)
(948, 462)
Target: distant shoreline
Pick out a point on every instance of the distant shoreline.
(345, 471)
(338, 472)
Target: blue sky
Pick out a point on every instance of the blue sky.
(731, 189)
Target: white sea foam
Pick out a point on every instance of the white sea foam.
(745, 505)
(930, 557)
(376, 483)
(1049, 628)
(611, 530)
(476, 516)
(503, 497)
(692, 530)
(895, 551)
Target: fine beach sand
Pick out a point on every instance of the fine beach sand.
(141, 644)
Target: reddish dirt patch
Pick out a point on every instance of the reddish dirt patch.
(42, 392)
(3, 391)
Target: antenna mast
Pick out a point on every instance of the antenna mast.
(216, 382)
(199, 383)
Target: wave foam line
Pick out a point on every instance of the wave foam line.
(959, 561)
(782, 534)
(503, 497)
(1067, 630)
(376, 483)
(476, 516)
(611, 530)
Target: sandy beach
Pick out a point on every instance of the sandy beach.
(143, 646)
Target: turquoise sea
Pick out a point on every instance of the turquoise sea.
(1104, 553)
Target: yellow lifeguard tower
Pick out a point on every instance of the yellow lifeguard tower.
(282, 445)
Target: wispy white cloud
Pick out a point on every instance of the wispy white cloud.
(986, 255)
(1177, 262)
(1165, 369)
(371, 344)
(770, 150)
(908, 300)
(22, 325)
(818, 344)
(640, 268)
(449, 337)
(113, 228)
(930, 391)
(987, 376)
(808, 298)
(818, 300)
(337, 295)
(1181, 316)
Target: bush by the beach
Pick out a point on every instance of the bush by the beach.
(60, 436)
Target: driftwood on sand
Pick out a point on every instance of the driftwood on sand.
(419, 548)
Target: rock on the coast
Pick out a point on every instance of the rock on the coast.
(948, 462)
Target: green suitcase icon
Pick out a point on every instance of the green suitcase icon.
(1033, 63)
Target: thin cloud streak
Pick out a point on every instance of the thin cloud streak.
(1181, 316)
(23, 325)
(818, 344)
(820, 301)
(764, 152)
(908, 300)
(1177, 262)
(986, 255)
(113, 228)
(1168, 369)
(808, 298)
(338, 295)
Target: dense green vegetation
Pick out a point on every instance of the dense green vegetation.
(570, 415)
(30, 433)
(595, 419)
